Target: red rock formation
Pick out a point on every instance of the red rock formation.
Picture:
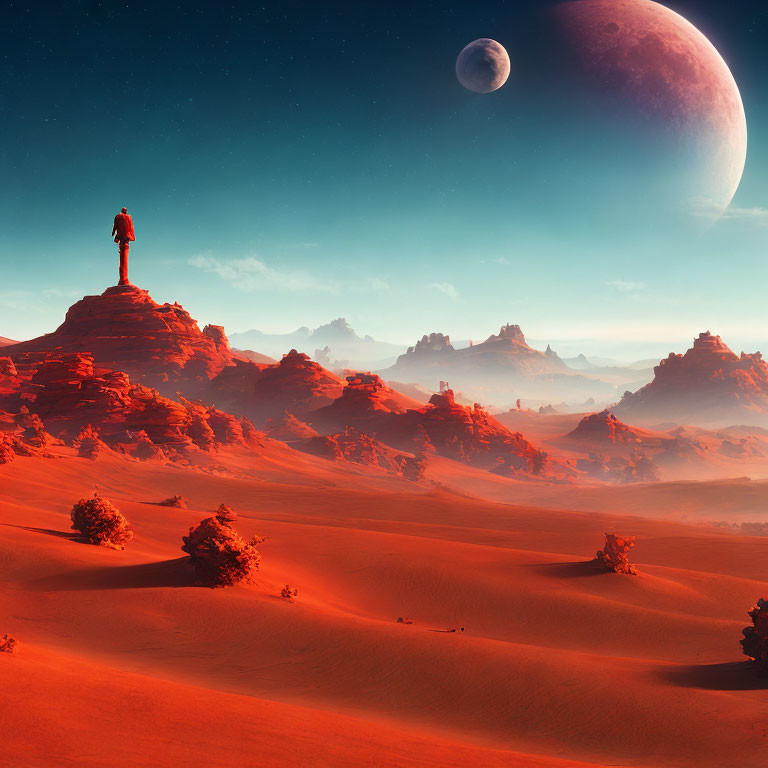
(604, 427)
(178, 502)
(443, 426)
(161, 346)
(613, 556)
(708, 385)
(412, 468)
(6, 342)
(31, 428)
(288, 592)
(101, 523)
(354, 446)
(12, 436)
(296, 385)
(65, 395)
(510, 332)
(755, 642)
(87, 443)
(289, 429)
(256, 357)
(7, 368)
(434, 343)
(10, 380)
(8, 644)
(7, 452)
(636, 468)
(366, 403)
(124, 329)
(472, 435)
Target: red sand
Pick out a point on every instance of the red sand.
(122, 662)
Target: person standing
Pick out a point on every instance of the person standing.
(123, 232)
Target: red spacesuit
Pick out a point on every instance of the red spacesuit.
(123, 232)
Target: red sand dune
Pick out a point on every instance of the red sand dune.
(123, 662)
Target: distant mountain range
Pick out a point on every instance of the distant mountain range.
(5, 342)
(345, 347)
(498, 370)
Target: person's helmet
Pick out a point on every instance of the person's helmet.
(123, 210)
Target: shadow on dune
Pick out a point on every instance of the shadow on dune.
(728, 676)
(165, 573)
(572, 570)
(47, 531)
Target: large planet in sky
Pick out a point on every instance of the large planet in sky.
(483, 66)
(670, 77)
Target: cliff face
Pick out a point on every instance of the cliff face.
(708, 385)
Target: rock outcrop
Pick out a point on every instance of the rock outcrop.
(465, 433)
(161, 346)
(288, 429)
(434, 344)
(604, 427)
(65, 395)
(358, 448)
(178, 502)
(124, 329)
(709, 385)
(8, 643)
(295, 385)
(366, 403)
(635, 468)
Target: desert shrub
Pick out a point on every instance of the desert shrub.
(755, 642)
(174, 501)
(221, 556)
(101, 522)
(7, 644)
(613, 557)
(289, 592)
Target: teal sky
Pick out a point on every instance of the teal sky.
(284, 168)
